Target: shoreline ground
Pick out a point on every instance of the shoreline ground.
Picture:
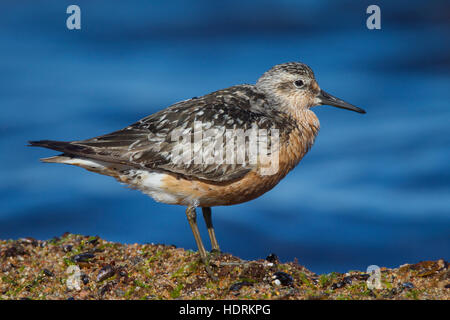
(82, 267)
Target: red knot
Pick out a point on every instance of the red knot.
(146, 156)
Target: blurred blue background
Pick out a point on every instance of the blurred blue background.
(374, 189)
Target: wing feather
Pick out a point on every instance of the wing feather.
(154, 142)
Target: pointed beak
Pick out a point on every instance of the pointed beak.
(328, 99)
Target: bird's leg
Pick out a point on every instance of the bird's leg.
(212, 235)
(192, 218)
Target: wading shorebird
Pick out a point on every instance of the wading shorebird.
(142, 154)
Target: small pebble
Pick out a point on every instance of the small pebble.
(441, 264)
(337, 285)
(14, 251)
(85, 278)
(407, 285)
(48, 273)
(105, 273)
(29, 240)
(94, 241)
(284, 278)
(272, 258)
(67, 247)
(82, 257)
(340, 284)
(123, 272)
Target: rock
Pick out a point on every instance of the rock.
(272, 258)
(14, 251)
(48, 273)
(340, 284)
(105, 273)
(284, 278)
(29, 240)
(82, 257)
(67, 247)
(407, 285)
(94, 241)
(73, 282)
(84, 278)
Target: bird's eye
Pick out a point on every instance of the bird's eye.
(299, 83)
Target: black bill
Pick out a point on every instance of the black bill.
(328, 99)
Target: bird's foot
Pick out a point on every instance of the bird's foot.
(215, 253)
(206, 262)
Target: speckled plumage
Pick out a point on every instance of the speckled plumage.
(147, 144)
(142, 154)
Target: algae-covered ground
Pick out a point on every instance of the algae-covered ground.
(82, 267)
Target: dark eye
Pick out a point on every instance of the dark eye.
(299, 83)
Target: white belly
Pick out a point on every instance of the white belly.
(151, 184)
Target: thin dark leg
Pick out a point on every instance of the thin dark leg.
(212, 235)
(192, 218)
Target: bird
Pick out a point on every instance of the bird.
(148, 156)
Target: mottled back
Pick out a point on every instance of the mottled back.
(149, 143)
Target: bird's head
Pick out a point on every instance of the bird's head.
(293, 85)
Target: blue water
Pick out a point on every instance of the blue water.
(374, 189)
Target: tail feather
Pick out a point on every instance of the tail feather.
(63, 146)
(72, 154)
